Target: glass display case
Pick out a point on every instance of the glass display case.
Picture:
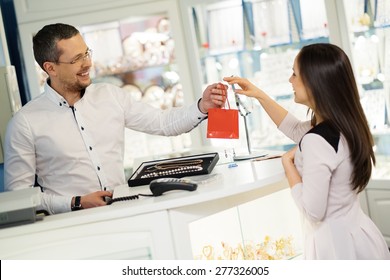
(257, 230)
(138, 54)
(256, 39)
(368, 23)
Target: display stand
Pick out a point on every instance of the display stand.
(244, 112)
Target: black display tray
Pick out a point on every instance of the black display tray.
(173, 168)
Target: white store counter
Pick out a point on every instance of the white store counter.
(151, 227)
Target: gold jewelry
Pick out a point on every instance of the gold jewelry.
(208, 252)
(268, 249)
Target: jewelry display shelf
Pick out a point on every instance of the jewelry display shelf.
(173, 168)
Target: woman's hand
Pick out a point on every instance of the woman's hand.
(276, 112)
(247, 88)
(291, 171)
(289, 156)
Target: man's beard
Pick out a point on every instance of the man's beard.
(76, 87)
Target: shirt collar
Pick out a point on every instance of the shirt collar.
(55, 96)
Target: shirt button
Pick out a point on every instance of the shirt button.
(90, 148)
(82, 128)
(98, 168)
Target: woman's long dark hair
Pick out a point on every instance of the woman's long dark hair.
(327, 74)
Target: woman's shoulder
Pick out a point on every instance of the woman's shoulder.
(328, 132)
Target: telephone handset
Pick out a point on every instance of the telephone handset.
(160, 186)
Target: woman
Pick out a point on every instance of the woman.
(334, 157)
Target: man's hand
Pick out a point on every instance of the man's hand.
(214, 96)
(94, 199)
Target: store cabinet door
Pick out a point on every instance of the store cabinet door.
(379, 207)
(138, 237)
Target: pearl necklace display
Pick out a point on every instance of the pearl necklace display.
(172, 168)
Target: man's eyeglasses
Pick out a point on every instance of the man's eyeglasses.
(80, 58)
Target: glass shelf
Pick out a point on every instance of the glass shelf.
(135, 50)
(269, 49)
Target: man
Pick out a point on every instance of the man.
(72, 135)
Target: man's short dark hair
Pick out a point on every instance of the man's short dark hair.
(45, 41)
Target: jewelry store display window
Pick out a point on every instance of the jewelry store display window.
(369, 32)
(256, 39)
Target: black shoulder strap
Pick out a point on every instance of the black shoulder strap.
(328, 132)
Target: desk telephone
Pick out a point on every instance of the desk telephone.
(160, 186)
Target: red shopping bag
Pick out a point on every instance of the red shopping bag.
(222, 123)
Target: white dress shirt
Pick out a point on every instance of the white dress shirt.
(80, 150)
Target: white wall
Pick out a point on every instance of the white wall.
(4, 57)
(4, 60)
